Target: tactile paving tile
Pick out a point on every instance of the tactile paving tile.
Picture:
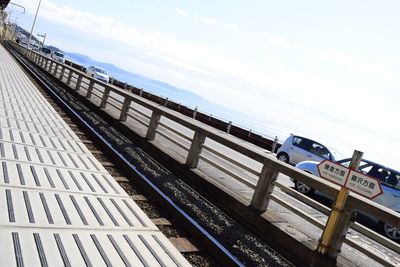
(59, 205)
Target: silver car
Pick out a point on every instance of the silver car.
(390, 180)
(58, 56)
(98, 73)
(296, 149)
(45, 51)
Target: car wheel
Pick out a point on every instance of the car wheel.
(391, 232)
(283, 157)
(303, 188)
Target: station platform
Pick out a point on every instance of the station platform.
(59, 205)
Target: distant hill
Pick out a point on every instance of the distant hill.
(53, 48)
(156, 87)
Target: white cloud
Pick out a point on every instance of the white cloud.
(231, 25)
(209, 21)
(361, 65)
(181, 12)
(279, 40)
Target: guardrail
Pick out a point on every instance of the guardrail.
(229, 127)
(136, 112)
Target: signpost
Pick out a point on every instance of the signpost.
(349, 179)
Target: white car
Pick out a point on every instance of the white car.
(390, 181)
(58, 56)
(98, 73)
(296, 149)
(45, 51)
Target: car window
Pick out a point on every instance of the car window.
(393, 180)
(303, 143)
(365, 168)
(59, 54)
(46, 50)
(387, 177)
(320, 150)
(100, 71)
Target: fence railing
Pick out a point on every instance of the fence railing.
(138, 112)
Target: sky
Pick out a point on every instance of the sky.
(328, 70)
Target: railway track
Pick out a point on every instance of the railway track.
(205, 235)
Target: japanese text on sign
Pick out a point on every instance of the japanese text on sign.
(363, 184)
(333, 172)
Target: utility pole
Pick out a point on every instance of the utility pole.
(33, 24)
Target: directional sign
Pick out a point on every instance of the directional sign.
(333, 172)
(353, 180)
(363, 184)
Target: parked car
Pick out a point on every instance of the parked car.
(390, 180)
(24, 43)
(296, 149)
(58, 56)
(98, 73)
(45, 51)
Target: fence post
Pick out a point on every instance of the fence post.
(90, 89)
(274, 144)
(166, 102)
(69, 76)
(48, 65)
(194, 113)
(154, 120)
(228, 128)
(105, 96)
(78, 82)
(192, 159)
(124, 109)
(141, 92)
(55, 69)
(62, 72)
(337, 225)
(264, 188)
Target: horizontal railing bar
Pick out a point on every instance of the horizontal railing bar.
(318, 206)
(252, 171)
(99, 96)
(115, 99)
(100, 90)
(300, 213)
(172, 140)
(137, 119)
(139, 112)
(175, 131)
(111, 103)
(367, 252)
(225, 170)
(375, 236)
